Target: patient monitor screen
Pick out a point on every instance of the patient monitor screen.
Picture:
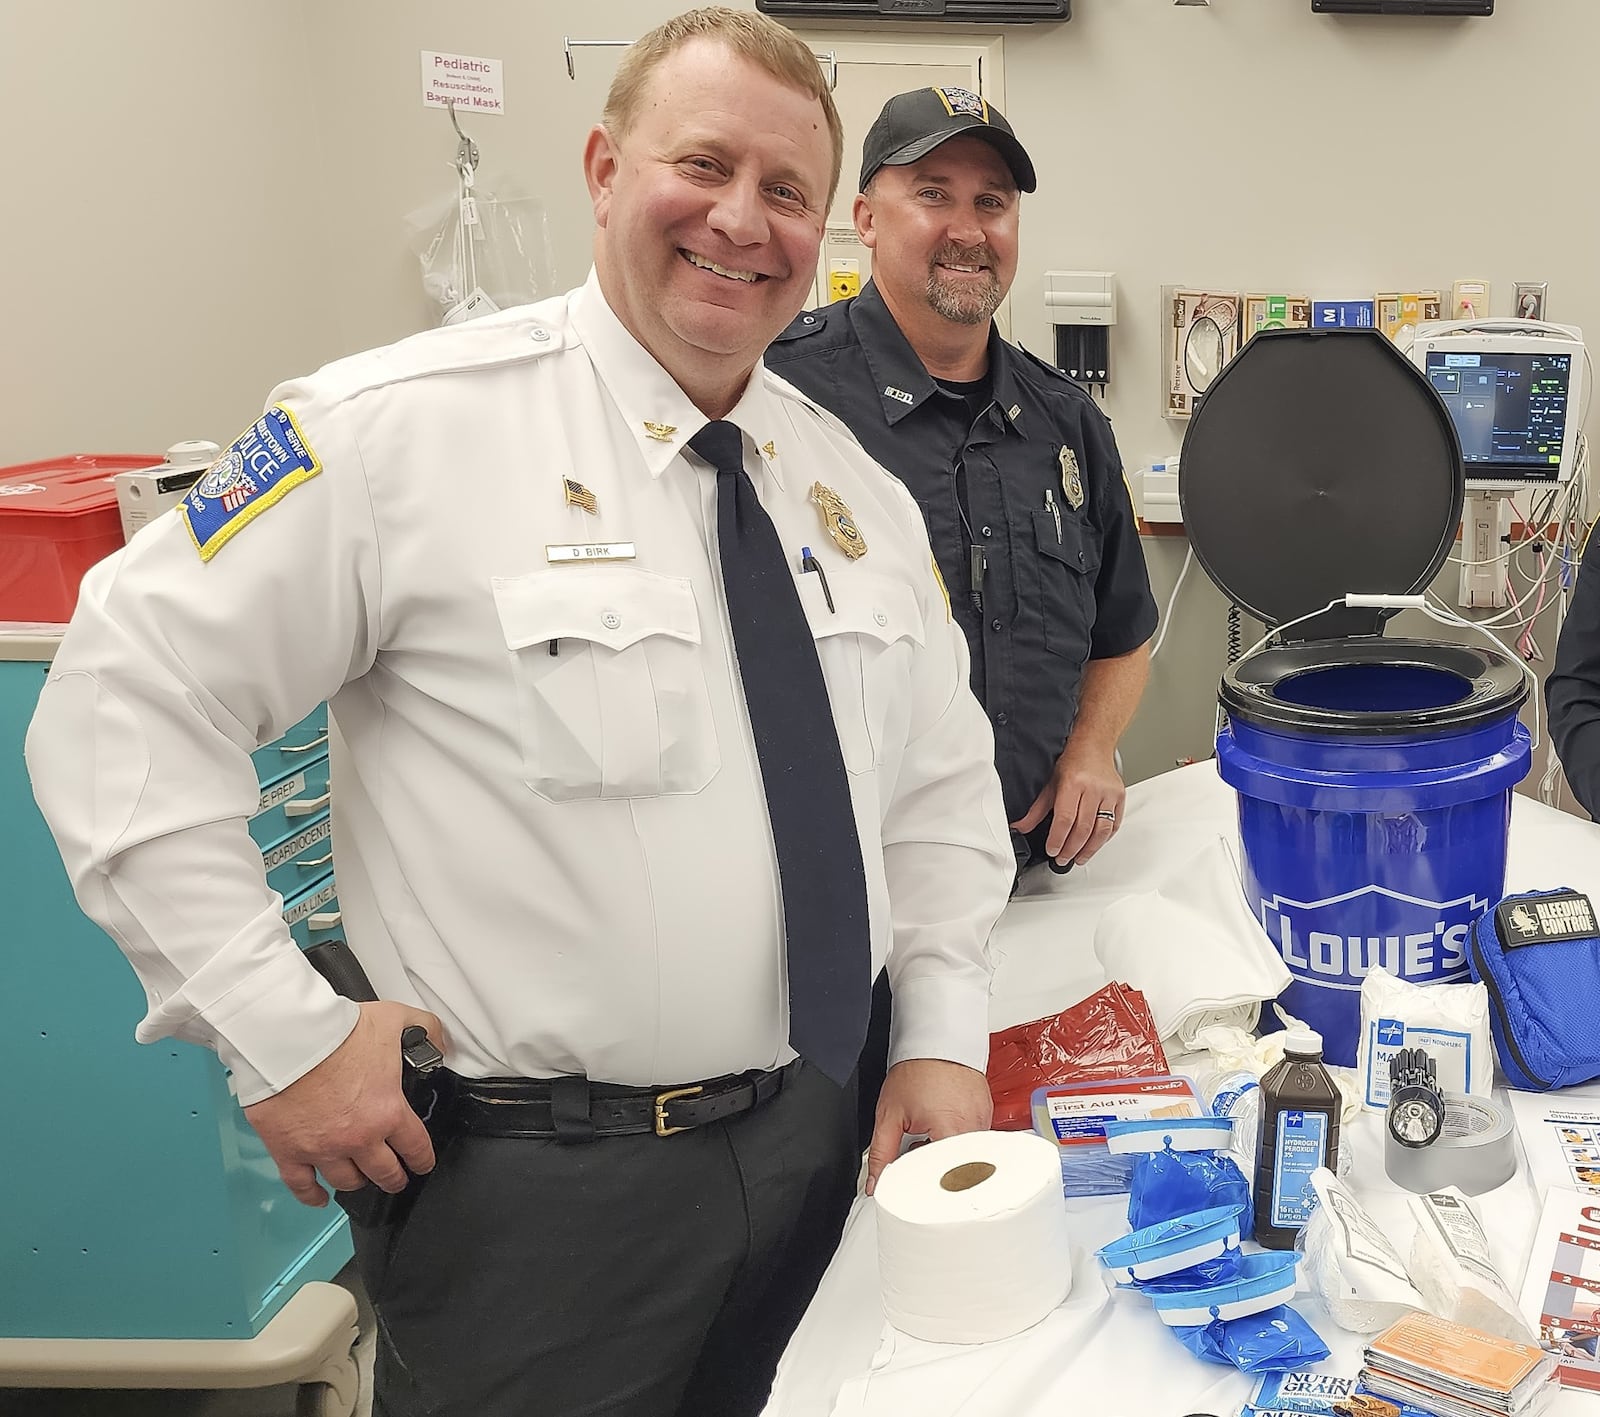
(1510, 409)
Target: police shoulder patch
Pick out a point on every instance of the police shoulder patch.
(263, 465)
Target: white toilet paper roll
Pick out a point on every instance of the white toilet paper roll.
(972, 1237)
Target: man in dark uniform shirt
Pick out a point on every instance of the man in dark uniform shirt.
(1013, 464)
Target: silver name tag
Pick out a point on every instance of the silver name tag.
(591, 551)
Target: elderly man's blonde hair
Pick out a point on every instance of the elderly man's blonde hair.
(765, 43)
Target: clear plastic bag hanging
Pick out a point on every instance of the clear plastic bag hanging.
(481, 251)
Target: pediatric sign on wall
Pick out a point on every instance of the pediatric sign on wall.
(475, 85)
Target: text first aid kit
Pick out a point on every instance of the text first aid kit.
(1073, 1118)
(57, 518)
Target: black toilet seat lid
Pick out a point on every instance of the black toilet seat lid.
(1320, 462)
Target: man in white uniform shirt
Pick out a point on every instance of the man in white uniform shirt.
(523, 559)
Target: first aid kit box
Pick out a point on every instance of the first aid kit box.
(1073, 1115)
(57, 518)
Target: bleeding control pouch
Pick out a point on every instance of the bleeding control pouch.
(1539, 956)
(1181, 1166)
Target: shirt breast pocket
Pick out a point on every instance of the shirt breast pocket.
(620, 709)
(1068, 562)
(865, 644)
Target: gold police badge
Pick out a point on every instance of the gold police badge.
(1071, 479)
(838, 522)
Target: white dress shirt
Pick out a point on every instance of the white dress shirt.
(564, 854)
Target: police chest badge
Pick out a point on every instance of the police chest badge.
(1071, 479)
(838, 522)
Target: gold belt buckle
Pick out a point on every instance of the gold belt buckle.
(662, 1098)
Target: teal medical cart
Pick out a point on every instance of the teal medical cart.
(145, 1238)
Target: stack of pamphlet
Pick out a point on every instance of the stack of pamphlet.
(1457, 1371)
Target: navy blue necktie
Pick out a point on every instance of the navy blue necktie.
(808, 795)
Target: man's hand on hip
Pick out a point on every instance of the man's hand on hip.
(926, 1095)
(1086, 795)
(347, 1117)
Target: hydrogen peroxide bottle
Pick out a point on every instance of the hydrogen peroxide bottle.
(1299, 1131)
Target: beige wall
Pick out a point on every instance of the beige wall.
(202, 198)
(164, 208)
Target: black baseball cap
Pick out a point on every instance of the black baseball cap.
(915, 123)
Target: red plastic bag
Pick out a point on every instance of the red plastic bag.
(1108, 1035)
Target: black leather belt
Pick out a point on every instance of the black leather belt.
(573, 1109)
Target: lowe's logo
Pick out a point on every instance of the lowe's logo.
(1338, 941)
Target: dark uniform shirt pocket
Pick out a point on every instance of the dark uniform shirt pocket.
(1069, 559)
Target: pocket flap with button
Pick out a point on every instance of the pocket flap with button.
(864, 604)
(614, 606)
(1075, 547)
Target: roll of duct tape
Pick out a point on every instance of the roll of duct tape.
(1477, 1150)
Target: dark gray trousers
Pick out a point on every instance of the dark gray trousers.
(637, 1276)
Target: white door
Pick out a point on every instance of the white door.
(870, 73)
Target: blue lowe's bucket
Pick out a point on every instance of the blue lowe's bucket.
(1374, 780)
(1374, 776)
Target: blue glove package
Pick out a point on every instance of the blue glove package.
(1276, 1340)
(1180, 1166)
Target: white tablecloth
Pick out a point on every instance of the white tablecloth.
(1104, 1351)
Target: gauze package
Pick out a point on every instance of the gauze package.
(1448, 1021)
(1181, 1165)
(1451, 1267)
(1350, 1264)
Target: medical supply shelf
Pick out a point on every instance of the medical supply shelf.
(147, 1239)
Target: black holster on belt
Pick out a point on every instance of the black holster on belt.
(427, 1084)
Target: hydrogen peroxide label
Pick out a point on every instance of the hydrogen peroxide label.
(1302, 1147)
